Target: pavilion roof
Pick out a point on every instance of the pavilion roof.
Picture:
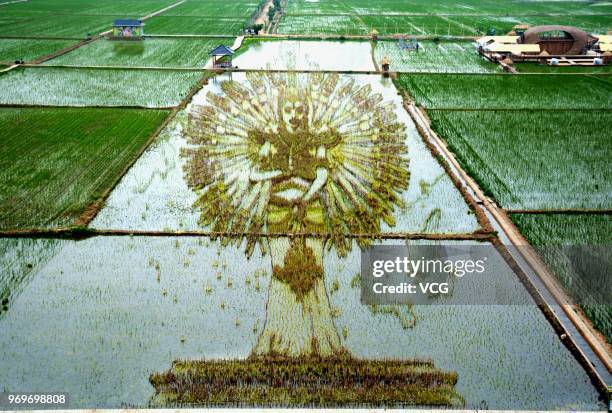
(221, 50)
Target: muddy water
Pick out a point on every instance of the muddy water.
(97, 317)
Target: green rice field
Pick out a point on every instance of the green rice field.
(533, 159)
(565, 229)
(487, 7)
(28, 49)
(586, 234)
(439, 57)
(527, 67)
(440, 17)
(508, 92)
(152, 52)
(190, 25)
(360, 21)
(214, 8)
(96, 87)
(180, 235)
(39, 146)
(87, 7)
(58, 25)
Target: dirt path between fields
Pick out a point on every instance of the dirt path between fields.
(263, 14)
(520, 245)
(12, 2)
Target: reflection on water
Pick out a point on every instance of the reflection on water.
(104, 313)
(19, 260)
(307, 55)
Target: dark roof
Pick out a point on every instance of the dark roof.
(581, 38)
(221, 50)
(127, 22)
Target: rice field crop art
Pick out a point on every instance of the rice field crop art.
(155, 193)
(144, 302)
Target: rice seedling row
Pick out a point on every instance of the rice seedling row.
(439, 18)
(479, 25)
(443, 57)
(508, 92)
(56, 162)
(361, 24)
(548, 69)
(337, 25)
(96, 87)
(69, 26)
(558, 238)
(532, 160)
(154, 52)
(487, 7)
(215, 8)
(28, 50)
(101, 7)
(173, 25)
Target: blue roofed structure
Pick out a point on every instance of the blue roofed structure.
(221, 50)
(222, 56)
(128, 29)
(128, 23)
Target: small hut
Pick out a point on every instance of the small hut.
(222, 56)
(128, 29)
(544, 56)
(385, 63)
(374, 35)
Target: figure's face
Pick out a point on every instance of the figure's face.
(293, 147)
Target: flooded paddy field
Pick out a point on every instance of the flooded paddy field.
(155, 194)
(144, 302)
(486, 92)
(307, 55)
(96, 87)
(153, 52)
(436, 57)
(224, 265)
